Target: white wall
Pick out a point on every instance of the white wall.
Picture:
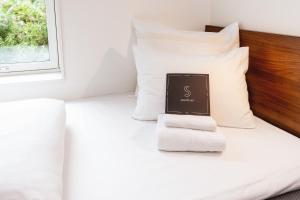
(276, 16)
(97, 38)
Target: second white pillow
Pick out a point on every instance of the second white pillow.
(152, 36)
(228, 88)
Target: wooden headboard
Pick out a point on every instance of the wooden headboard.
(273, 77)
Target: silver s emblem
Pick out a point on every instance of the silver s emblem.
(188, 93)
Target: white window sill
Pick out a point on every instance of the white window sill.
(27, 78)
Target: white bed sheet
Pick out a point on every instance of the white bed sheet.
(110, 156)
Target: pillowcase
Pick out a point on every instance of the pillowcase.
(159, 37)
(31, 149)
(228, 88)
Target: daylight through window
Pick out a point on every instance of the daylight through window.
(28, 36)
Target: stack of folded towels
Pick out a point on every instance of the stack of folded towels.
(189, 133)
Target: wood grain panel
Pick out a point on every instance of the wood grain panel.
(273, 77)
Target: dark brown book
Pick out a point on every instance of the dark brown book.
(188, 94)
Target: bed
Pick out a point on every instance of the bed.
(109, 155)
(112, 156)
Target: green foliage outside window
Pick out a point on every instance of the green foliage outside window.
(23, 23)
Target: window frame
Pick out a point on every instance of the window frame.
(55, 63)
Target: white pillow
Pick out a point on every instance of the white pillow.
(159, 37)
(31, 149)
(228, 88)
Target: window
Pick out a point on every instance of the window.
(29, 37)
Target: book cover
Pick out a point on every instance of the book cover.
(188, 94)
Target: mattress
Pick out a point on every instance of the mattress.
(111, 156)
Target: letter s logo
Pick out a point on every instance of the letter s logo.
(188, 93)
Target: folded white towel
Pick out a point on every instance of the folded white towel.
(205, 123)
(179, 139)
